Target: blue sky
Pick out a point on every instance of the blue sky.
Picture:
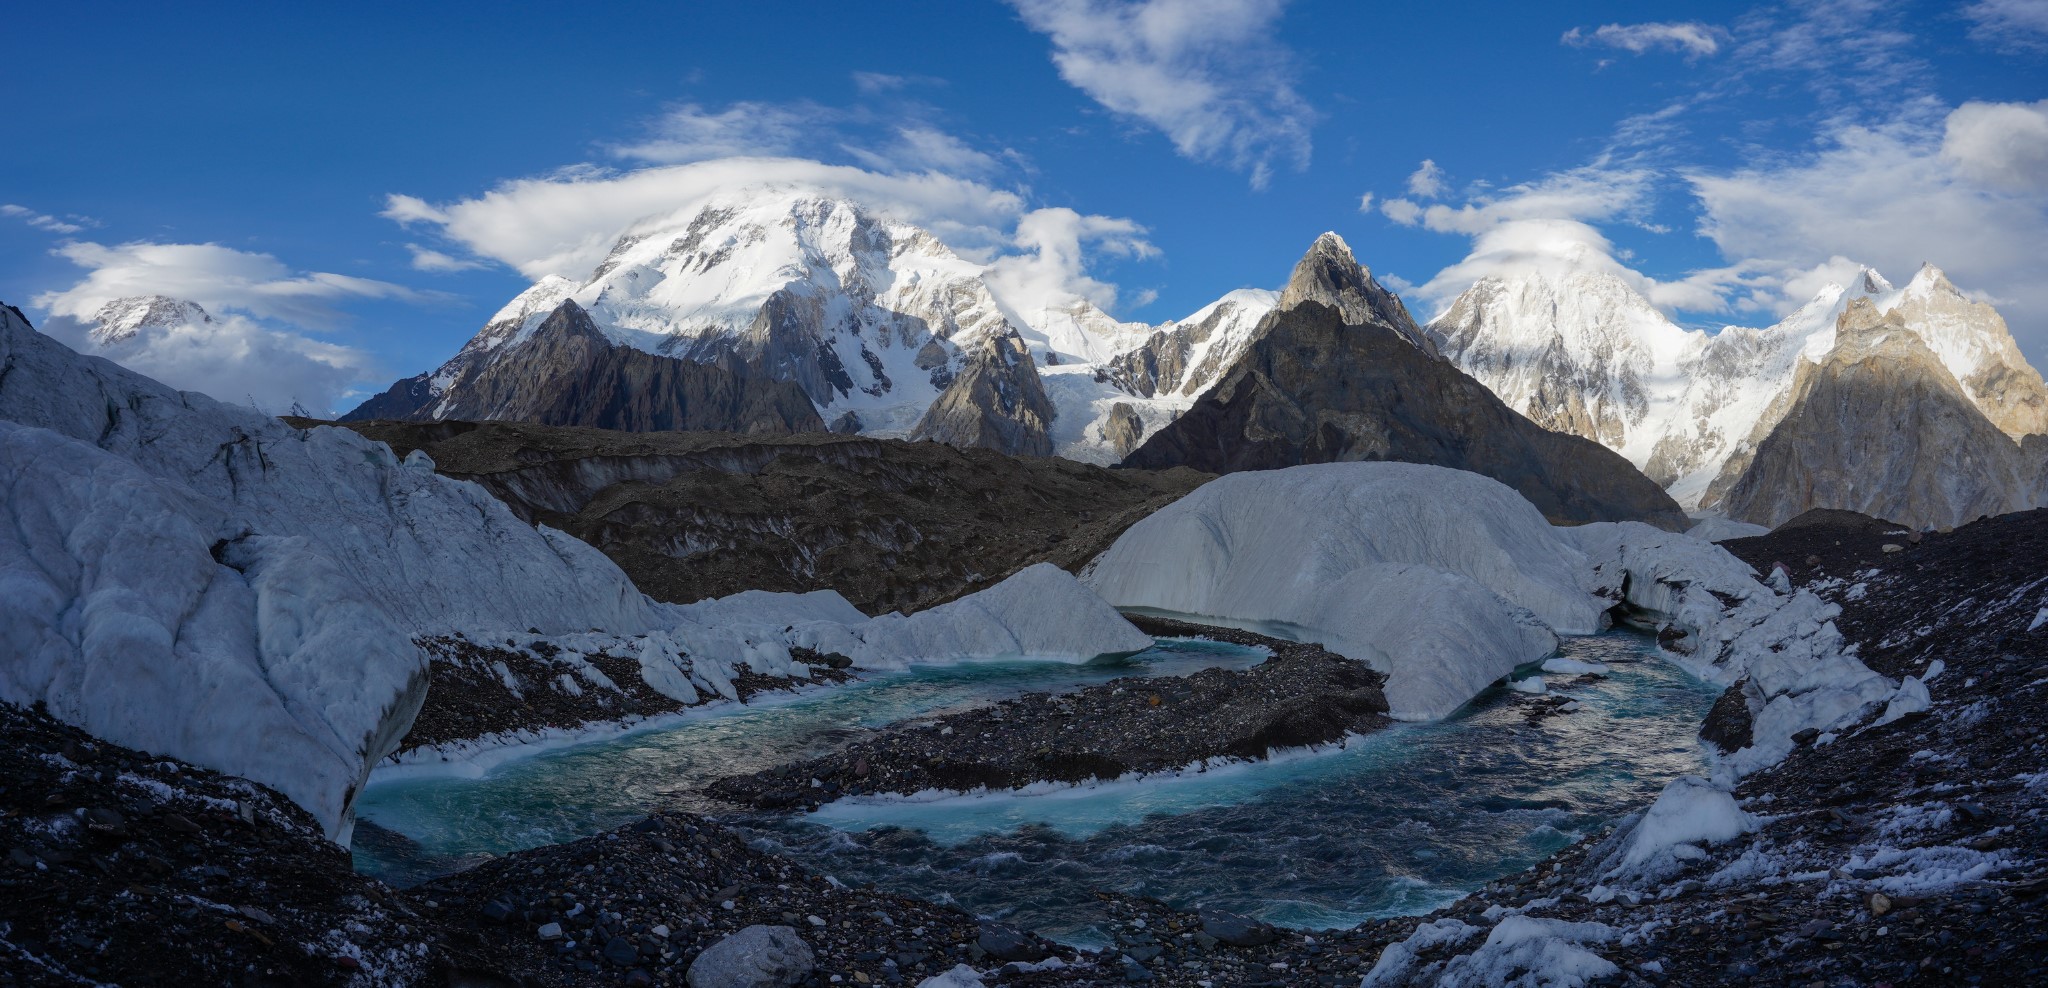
(1730, 158)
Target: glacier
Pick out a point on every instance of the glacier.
(197, 579)
(1447, 581)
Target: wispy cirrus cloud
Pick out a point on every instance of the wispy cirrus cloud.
(1690, 38)
(1209, 74)
(2009, 23)
(45, 221)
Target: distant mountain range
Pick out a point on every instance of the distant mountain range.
(1578, 350)
(780, 310)
(884, 329)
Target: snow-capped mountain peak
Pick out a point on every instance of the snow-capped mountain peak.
(1330, 274)
(876, 320)
(124, 319)
(1577, 349)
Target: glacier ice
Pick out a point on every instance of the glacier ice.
(1690, 811)
(196, 579)
(1445, 580)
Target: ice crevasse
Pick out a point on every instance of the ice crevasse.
(203, 581)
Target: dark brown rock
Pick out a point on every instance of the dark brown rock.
(1317, 389)
(892, 525)
(568, 373)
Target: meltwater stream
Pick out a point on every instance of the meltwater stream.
(1397, 822)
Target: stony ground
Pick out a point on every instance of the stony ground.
(120, 868)
(1302, 695)
(889, 524)
(1910, 853)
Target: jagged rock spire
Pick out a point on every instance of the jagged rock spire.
(1330, 274)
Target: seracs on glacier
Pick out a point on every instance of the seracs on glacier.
(197, 579)
(1447, 581)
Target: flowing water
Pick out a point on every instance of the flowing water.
(1400, 821)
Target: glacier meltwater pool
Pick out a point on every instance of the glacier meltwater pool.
(1400, 821)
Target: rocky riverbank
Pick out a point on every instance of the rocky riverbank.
(1908, 850)
(1302, 695)
(479, 691)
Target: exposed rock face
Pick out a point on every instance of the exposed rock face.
(1576, 348)
(1880, 426)
(996, 402)
(565, 372)
(1124, 428)
(1315, 389)
(1186, 357)
(1329, 273)
(892, 525)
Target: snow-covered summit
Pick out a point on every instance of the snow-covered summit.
(876, 319)
(123, 319)
(1578, 349)
(867, 314)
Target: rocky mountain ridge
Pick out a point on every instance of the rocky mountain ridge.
(1578, 349)
(1319, 386)
(885, 329)
(1879, 425)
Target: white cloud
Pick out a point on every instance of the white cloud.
(1051, 267)
(1950, 187)
(564, 224)
(219, 278)
(1207, 73)
(238, 360)
(1690, 37)
(1851, 53)
(2009, 23)
(428, 259)
(692, 133)
(2000, 145)
(1549, 226)
(1365, 203)
(879, 82)
(1428, 181)
(1590, 193)
(44, 221)
(919, 148)
(255, 346)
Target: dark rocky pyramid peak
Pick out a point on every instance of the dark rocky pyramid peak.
(1331, 275)
(1321, 387)
(569, 320)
